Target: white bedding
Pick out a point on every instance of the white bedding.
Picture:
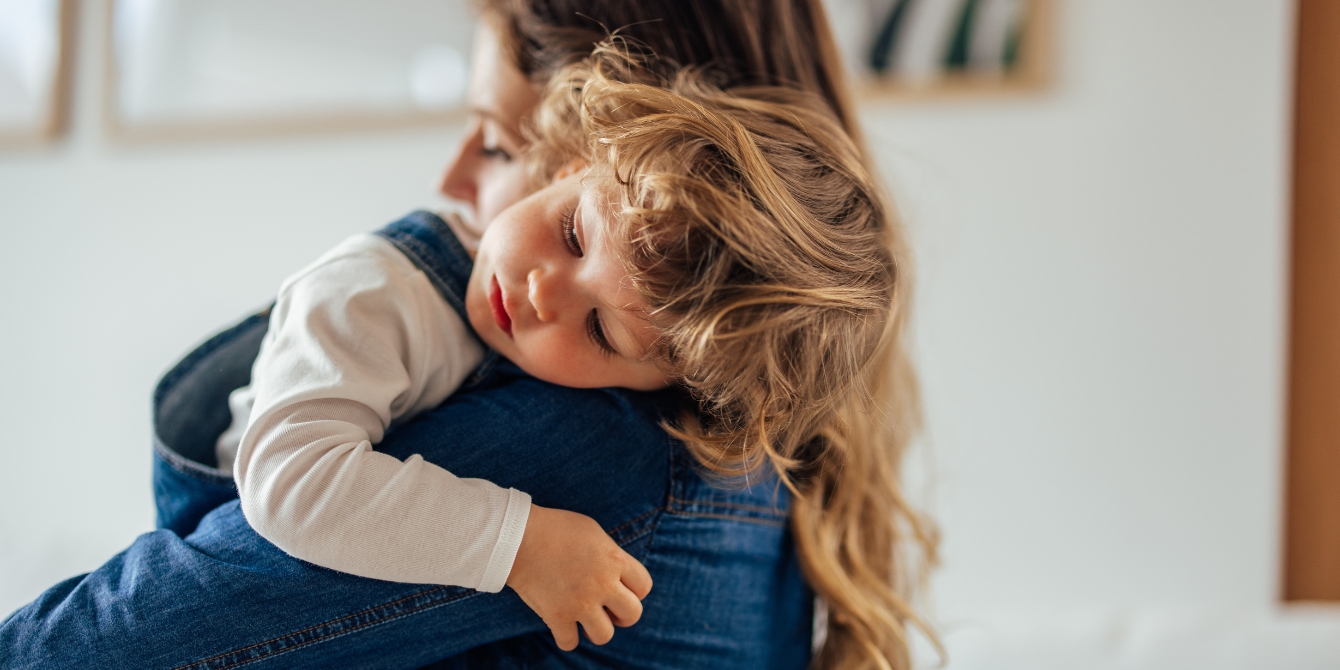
(1297, 637)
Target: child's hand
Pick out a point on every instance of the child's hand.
(569, 571)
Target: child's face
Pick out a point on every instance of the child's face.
(549, 292)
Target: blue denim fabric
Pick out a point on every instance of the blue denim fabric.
(205, 591)
(190, 412)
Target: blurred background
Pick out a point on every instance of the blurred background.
(1100, 312)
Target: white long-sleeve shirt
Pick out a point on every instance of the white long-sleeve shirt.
(358, 340)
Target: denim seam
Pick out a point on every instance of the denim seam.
(649, 530)
(779, 523)
(772, 511)
(188, 468)
(205, 662)
(670, 491)
(614, 531)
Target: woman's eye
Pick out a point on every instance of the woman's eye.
(597, 334)
(495, 152)
(570, 232)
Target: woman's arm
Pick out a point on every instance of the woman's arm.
(225, 593)
(728, 589)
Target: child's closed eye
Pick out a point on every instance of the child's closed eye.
(568, 222)
(596, 332)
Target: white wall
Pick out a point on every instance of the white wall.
(1100, 308)
(1100, 315)
(118, 259)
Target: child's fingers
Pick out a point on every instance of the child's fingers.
(565, 635)
(598, 627)
(624, 608)
(636, 577)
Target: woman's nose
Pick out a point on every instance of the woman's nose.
(459, 179)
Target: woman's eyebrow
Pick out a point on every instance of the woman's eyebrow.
(497, 118)
(484, 112)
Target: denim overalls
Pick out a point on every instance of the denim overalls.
(205, 591)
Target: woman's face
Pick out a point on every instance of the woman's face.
(486, 172)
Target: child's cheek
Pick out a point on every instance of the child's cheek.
(559, 361)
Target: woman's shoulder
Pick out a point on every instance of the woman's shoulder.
(501, 387)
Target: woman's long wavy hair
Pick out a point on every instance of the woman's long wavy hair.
(771, 266)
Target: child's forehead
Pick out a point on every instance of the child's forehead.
(601, 191)
(599, 179)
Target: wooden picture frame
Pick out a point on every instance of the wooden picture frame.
(860, 25)
(184, 118)
(52, 115)
(1311, 561)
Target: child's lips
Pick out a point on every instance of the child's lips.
(500, 315)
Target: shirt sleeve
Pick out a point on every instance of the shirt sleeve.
(358, 340)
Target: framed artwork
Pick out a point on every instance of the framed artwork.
(34, 69)
(192, 68)
(928, 48)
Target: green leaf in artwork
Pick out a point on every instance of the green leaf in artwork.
(956, 57)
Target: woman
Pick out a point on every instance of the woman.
(782, 42)
(728, 593)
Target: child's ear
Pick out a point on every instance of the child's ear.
(573, 167)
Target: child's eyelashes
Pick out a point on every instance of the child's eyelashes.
(568, 223)
(594, 329)
(597, 334)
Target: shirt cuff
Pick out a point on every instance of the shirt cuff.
(509, 540)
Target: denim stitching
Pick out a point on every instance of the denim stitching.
(321, 638)
(189, 468)
(615, 531)
(637, 536)
(772, 511)
(669, 495)
(778, 523)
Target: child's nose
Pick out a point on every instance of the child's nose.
(539, 289)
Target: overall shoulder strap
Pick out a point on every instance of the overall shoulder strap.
(432, 247)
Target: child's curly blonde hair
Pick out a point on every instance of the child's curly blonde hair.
(769, 261)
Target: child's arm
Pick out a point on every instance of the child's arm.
(569, 571)
(356, 341)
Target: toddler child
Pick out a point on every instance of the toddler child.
(627, 269)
